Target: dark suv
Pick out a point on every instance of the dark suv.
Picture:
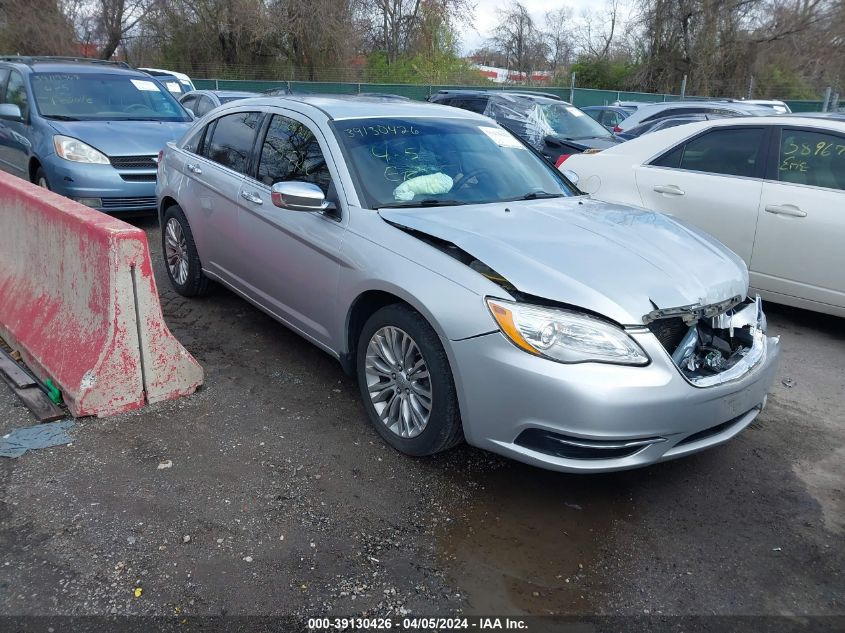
(90, 130)
(554, 127)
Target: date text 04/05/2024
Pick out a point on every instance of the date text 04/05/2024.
(417, 624)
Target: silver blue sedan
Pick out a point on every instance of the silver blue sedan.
(470, 288)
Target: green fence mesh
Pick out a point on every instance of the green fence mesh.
(581, 97)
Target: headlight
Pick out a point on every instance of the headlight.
(564, 335)
(77, 151)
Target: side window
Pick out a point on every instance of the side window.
(728, 151)
(598, 115)
(190, 102)
(232, 139)
(675, 112)
(672, 158)
(204, 106)
(292, 152)
(16, 93)
(812, 158)
(477, 105)
(192, 143)
(4, 75)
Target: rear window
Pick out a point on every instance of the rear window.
(811, 158)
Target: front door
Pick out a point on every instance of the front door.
(712, 181)
(15, 147)
(294, 256)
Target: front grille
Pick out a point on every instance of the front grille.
(669, 332)
(134, 162)
(138, 177)
(140, 203)
(559, 445)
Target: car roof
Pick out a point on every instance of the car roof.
(232, 93)
(79, 65)
(362, 106)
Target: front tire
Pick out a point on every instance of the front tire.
(41, 179)
(181, 258)
(406, 383)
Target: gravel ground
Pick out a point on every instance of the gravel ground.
(279, 499)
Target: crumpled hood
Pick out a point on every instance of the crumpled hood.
(123, 138)
(615, 260)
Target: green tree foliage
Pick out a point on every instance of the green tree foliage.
(603, 73)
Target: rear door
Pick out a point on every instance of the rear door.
(212, 193)
(712, 181)
(800, 247)
(293, 266)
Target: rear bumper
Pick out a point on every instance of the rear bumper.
(103, 182)
(534, 410)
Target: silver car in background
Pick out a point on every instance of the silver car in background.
(471, 289)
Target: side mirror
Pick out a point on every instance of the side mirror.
(299, 196)
(191, 112)
(571, 176)
(10, 112)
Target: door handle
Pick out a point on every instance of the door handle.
(672, 190)
(254, 198)
(195, 169)
(786, 209)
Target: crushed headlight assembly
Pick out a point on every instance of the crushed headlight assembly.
(73, 149)
(563, 335)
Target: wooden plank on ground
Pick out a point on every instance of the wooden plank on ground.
(39, 404)
(28, 390)
(15, 372)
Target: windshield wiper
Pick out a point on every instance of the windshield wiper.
(426, 202)
(61, 117)
(536, 195)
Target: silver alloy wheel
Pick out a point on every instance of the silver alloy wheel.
(398, 382)
(42, 182)
(176, 251)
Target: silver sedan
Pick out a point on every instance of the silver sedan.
(472, 290)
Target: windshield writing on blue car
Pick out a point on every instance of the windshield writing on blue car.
(104, 97)
(419, 162)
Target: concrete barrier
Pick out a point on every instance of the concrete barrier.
(79, 301)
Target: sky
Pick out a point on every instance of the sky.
(486, 16)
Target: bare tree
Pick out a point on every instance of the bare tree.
(519, 39)
(559, 38)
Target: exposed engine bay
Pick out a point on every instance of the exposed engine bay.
(712, 344)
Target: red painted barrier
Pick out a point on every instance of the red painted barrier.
(79, 301)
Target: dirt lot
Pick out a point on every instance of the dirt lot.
(281, 500)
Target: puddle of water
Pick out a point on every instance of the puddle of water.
(529, 541)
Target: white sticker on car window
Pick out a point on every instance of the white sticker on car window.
(574, 111)
(502, 138)
(142, 84)
(172, 86)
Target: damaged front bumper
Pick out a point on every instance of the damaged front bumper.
(593, 417)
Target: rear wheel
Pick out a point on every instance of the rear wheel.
(180, 255)
(406, 382)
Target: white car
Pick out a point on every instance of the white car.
(186, 84)
(649, 112)
(770, 188)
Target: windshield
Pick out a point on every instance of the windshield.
(571, 123)
(104, 97)
(442, 162)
